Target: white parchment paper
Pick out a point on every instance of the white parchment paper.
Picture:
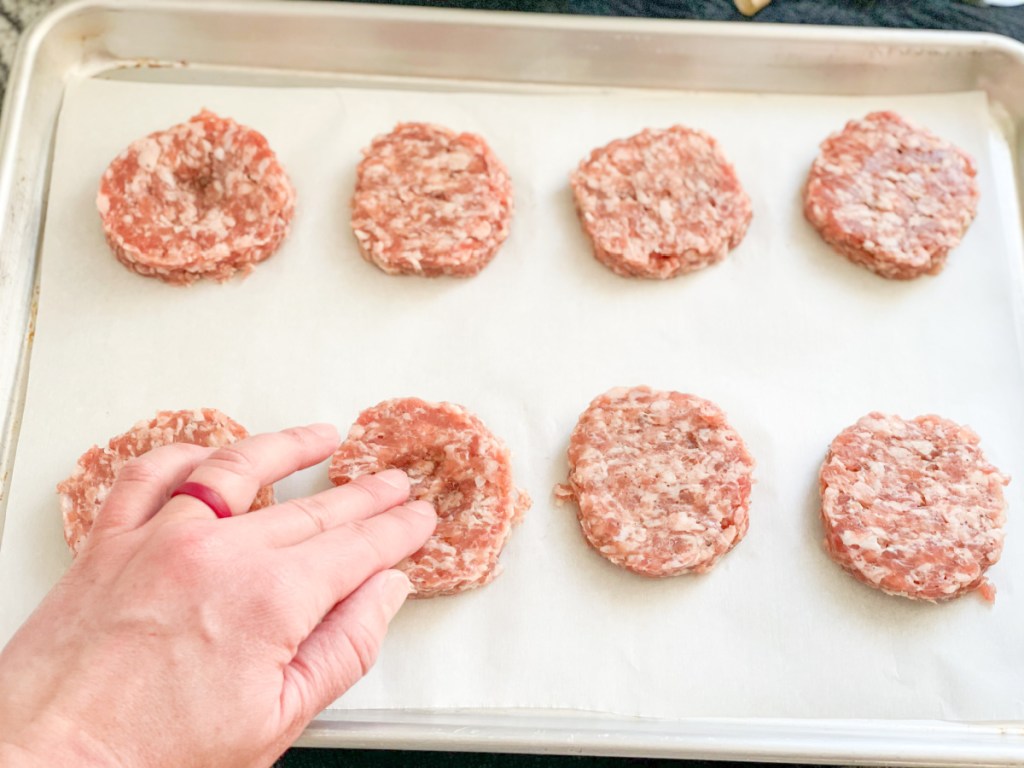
(791, 339)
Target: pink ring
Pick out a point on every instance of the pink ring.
(207, 495)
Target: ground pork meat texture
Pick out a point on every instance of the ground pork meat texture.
(431, 202)
(891, 196)
(660, 203)
(83, 493)
(661, 480)
(455, 463)
(203, 199)
(912, 507)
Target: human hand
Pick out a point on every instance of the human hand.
(176, 638)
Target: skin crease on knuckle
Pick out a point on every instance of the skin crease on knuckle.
(304, 438)
(365, 544)
(142, 470)
(365, 644)
(231, 459)
(369, 487)
(316, 510)
(151, 468)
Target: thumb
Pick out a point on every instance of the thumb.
(342, 648)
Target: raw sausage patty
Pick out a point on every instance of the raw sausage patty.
(431, 202)
(660, 203)
(456, 464)
(82, 494)
(206, 198)
(911, 507)
(891, 196)
(662, 482)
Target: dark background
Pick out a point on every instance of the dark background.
(921, 14)
(912, 14)
(320, 758)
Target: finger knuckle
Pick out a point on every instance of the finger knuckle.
(110, 515)
(371, 490)
(190, 550)
(232, 459)
(365, 644)
(314, 683)
(370, 540)
(142, 470)
(301, 436)
(318, 513)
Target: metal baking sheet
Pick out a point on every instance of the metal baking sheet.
(795, 739)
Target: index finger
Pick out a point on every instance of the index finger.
(239, 470)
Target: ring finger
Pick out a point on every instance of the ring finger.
(144, 484)
(236, 472)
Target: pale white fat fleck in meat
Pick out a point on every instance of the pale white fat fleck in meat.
(431, 202)
(456, 464)
(912, 507)
(661, 203)
(206, 198)
(891, 196)
(661, 480)
(82, 495)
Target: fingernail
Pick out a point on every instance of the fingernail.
(396, 478)
(394, 590)
(424, 508)
(322, 428)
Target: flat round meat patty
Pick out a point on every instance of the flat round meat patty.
(431, 202)
(456, 464)
(661, 480)
(660, 203)
(911, 507)
(206, 198)
(82, 494)
(891, 196)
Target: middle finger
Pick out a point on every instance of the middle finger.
(295, 521)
